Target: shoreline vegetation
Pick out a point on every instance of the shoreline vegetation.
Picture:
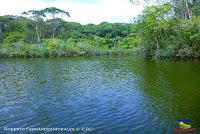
(157, 33)
(59, 48)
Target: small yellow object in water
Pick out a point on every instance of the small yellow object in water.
(184, 126)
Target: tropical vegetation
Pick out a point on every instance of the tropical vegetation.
(165, 29)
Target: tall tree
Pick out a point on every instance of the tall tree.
(183, 9)
(52, 15)
(36, 16)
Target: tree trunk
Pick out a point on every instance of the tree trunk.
(54, 28)
(37, 32)
(53, 36)
(157, 55)
(188, 12)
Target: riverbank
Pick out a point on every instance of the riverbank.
(59, 48)
(43, 50)
(23, 50)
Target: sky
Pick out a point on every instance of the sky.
(82, 11)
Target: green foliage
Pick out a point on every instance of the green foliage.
(13, 37)
(53, 18)
(53, 11)
(161, 31)
(162, 35)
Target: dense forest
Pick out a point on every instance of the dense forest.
(166, 29)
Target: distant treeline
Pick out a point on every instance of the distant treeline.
(34, 35)
(166, 30)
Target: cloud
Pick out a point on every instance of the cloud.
(88, 11)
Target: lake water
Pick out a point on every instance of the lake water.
(99, 94)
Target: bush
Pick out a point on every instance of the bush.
(13, 37)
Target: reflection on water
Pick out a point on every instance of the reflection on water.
(109, 94)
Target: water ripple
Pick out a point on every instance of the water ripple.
(111, 94)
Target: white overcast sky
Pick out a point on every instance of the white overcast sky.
(82, 11)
